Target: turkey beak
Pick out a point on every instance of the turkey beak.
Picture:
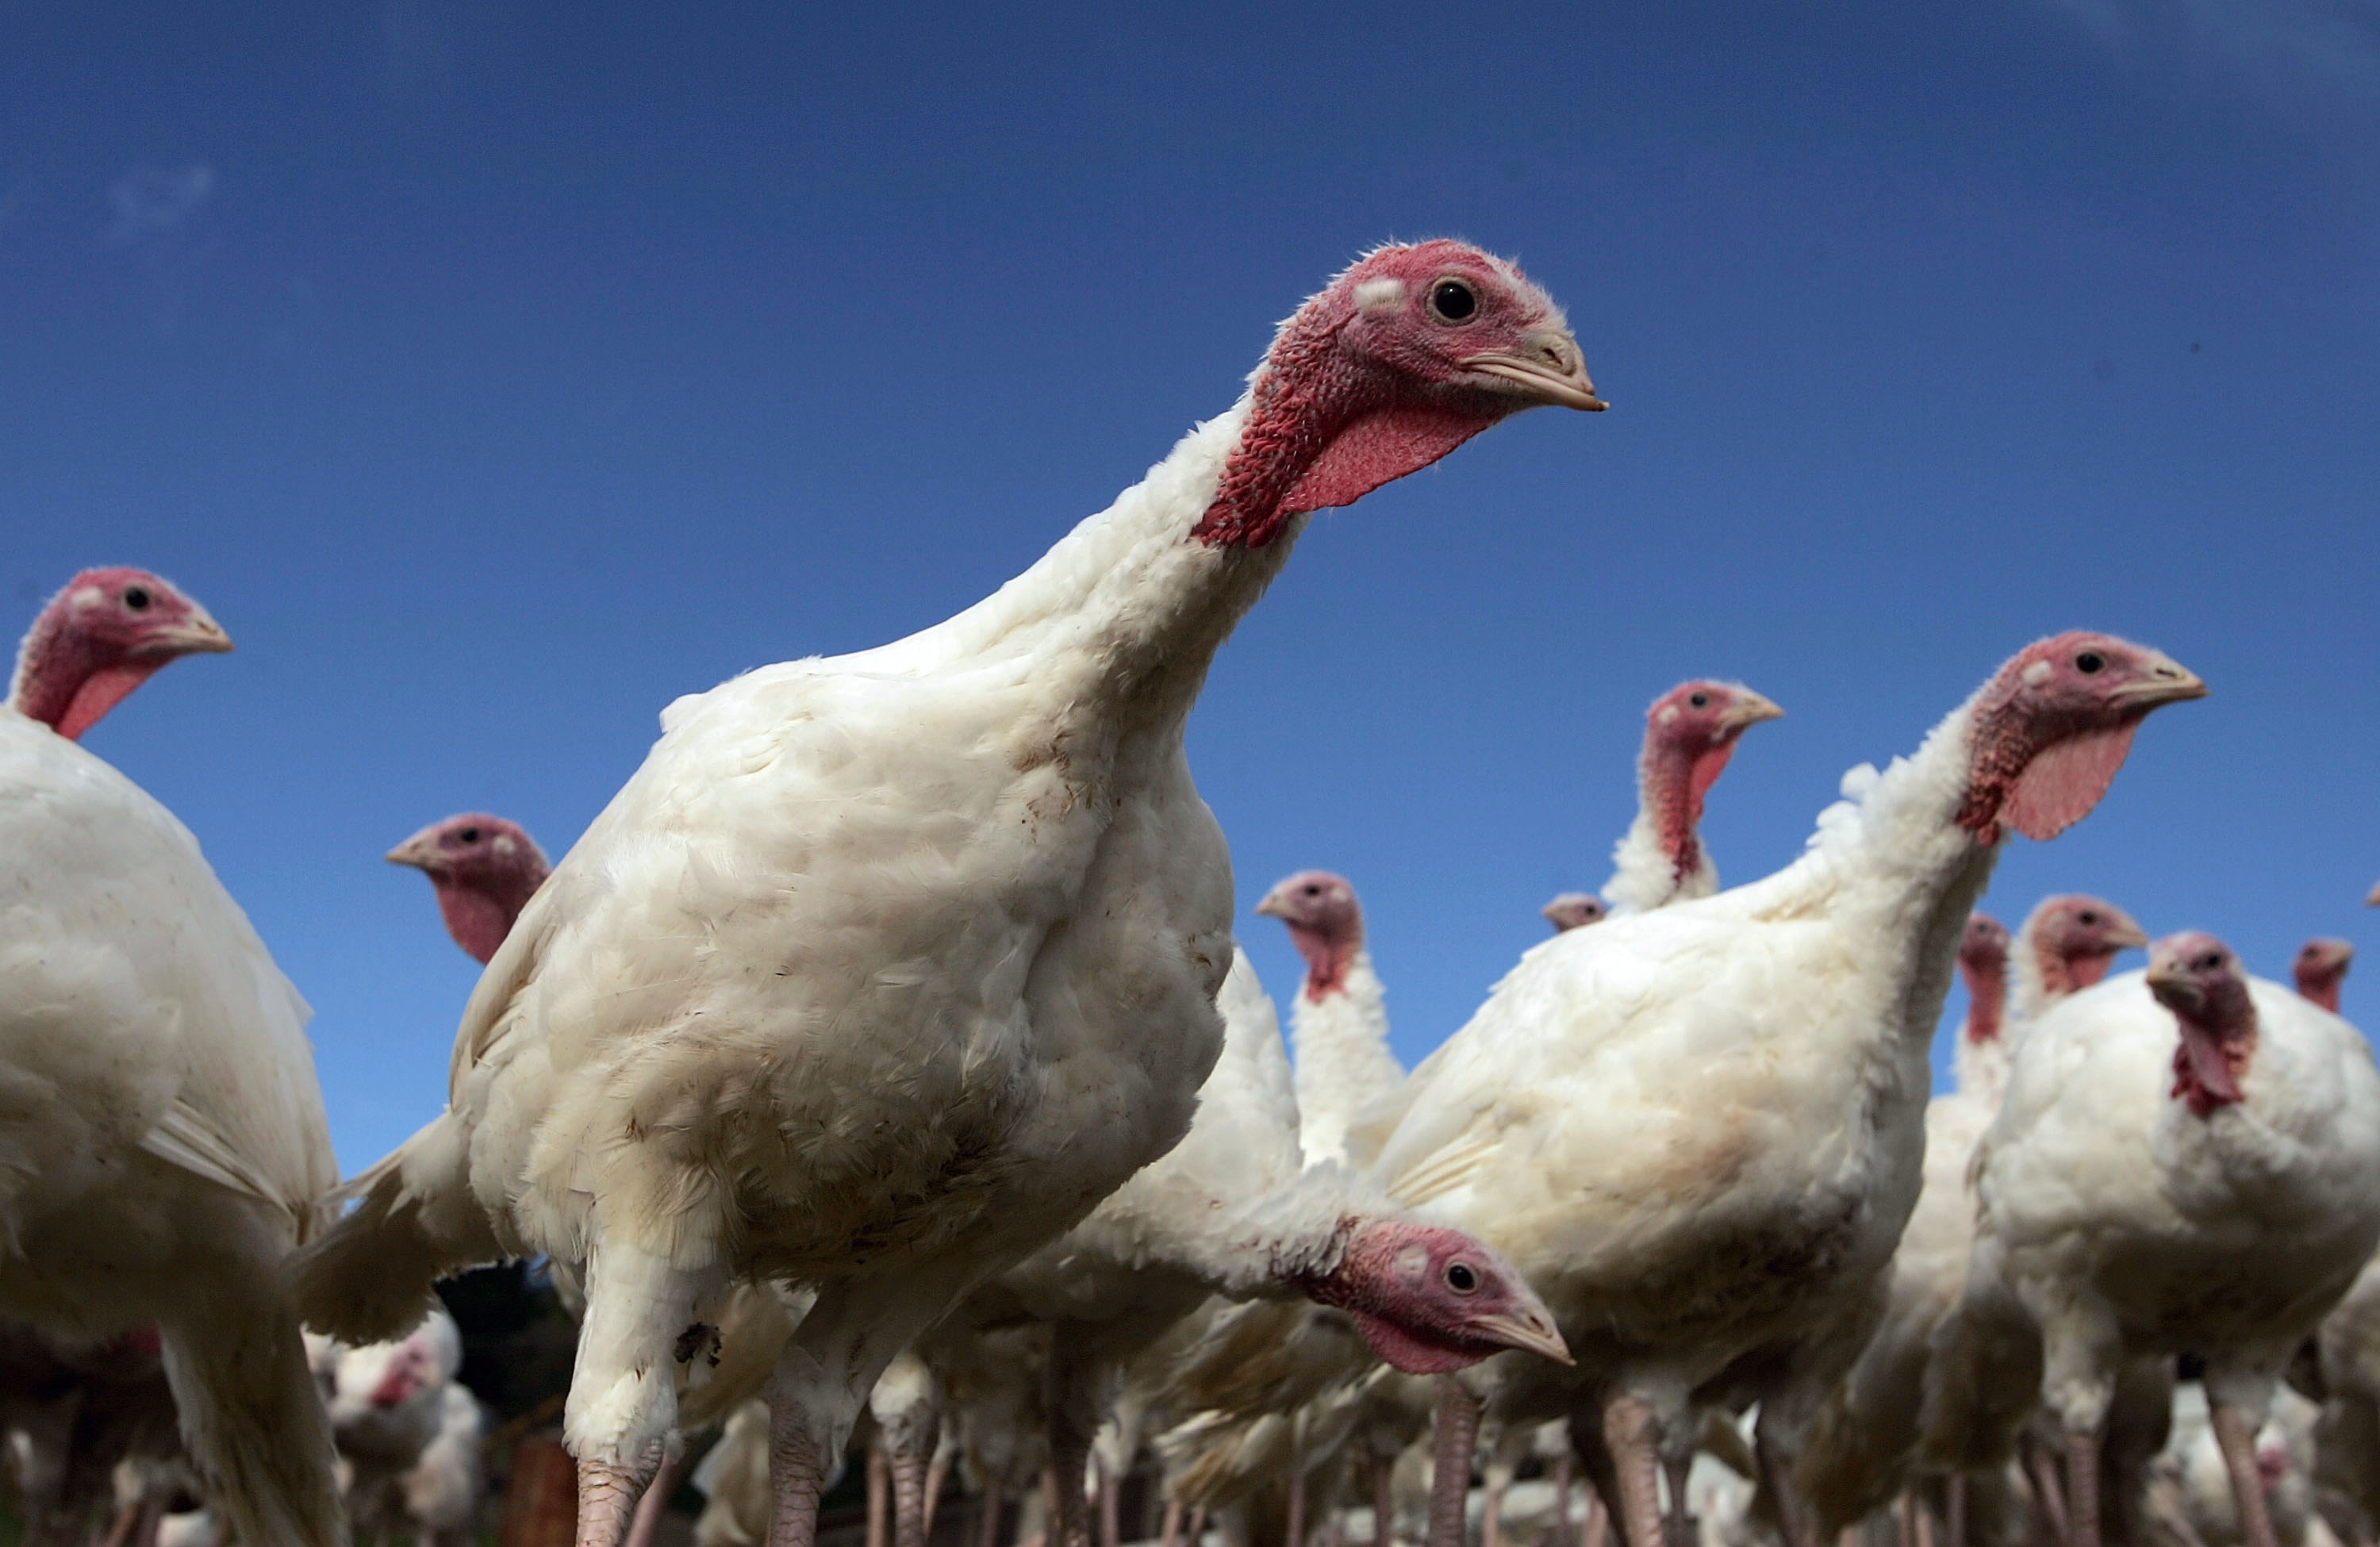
(2126, 935)
(1750, 709)
(417, 851)
(2175, 988)
(2163, 680)
(1529, 1328)
(1547, 368)
(2371, 898)
(1275, 906)
(195, 635)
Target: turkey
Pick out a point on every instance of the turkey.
(1690, 734)
(2182, 1162)
(484, 870)
(1696, 1131)
(1339, 1028)
(162, 1136)
(387, 1404)
(1233, 1211)
(1861, 1443)
(2321, 970)
(884, 970)
(1574, 911)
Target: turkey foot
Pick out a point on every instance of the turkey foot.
(795, 1473)
(655, 1502)
(1792, 1520)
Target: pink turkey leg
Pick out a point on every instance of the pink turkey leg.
(2082, 1489)
(1792, 1520)
(650, 1508)
(988, 1529)
(1110, 1506)
(1170, 1536)
(796, 1470)
(1954, 1510)
(1629, 1435)
(937, 1471)
(909, 1523)
(1457, 1424)
(1384, 1503)
(1597, 1530)
(607, 1502)
(879, 1491)
(2049, 1494)
(2238, 1449)
(1491, 1514)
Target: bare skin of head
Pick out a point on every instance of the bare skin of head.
(1574, 911)
(1325, 924)
(2074, 938)
(1690, 734)
(1431, 1300)
(2198, 978)
(1983, 966)
(484, 870)
(104, 634)
(2321, 969)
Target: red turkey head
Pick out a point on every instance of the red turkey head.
(2320, 967)
(1690, 733)
(1430, 1301)
(1403, 358)
(484, 870)
(2196, 977)
(103, 636)
(2047, 732)
(2074, 938)
(1574, 911)
(1325, 923)
(1983, 966)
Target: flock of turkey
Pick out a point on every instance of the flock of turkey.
(881, 1060)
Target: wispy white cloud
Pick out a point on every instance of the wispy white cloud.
(150, 202)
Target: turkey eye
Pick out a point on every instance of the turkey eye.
(1461, 1279)
(2088, 918)
(1700, 700)
(1452, 301)
(137, 599)
(469, 835)
(2090, 661)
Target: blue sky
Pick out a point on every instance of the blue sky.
(496, 374)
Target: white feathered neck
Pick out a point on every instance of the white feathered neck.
(1343, 1058)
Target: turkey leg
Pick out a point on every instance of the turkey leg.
(1792, 1520)
(1954, 1510)
(987, 1533)
(1629, 1432)
(655, 1502)
(1457, 1426)
(879, 1491)
(1681, 1527)
(1110, 1506)
(2083, 1488)
(2239, 1447)
(910, 1524)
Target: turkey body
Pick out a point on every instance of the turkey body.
(162, 1136)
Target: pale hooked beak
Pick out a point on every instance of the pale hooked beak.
(1750, 709)
(1531, 1330)
(1274, 904)
(2371, 898)
(1549, 369)
(419, 851)
(2167, 681)
(2175, 988)
(2128, 935)
(196, 635)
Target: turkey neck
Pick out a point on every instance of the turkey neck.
(1124, 616)
(1904, 875)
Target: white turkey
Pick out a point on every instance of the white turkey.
(2182, 1163)
(484, 869)
(1863, 1441)
(1696, 1131)
(1339, 1026)
(1690, 734)
(2320, 970)
(884, 970)
(387, 1404)
(162, 1136)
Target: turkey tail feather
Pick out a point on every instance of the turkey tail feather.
(367, 1278)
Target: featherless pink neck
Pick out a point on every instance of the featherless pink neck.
(478, 920)
(68, 681)
(1673, 781)
(1329, 952)
(2194, 976)
(1987, 1001)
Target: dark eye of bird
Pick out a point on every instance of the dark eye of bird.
(469, 835)
(2089, 661)
(1461, 1279)
(137, 599)
(1453, 300)
(2088, 918)
(1700, 700)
